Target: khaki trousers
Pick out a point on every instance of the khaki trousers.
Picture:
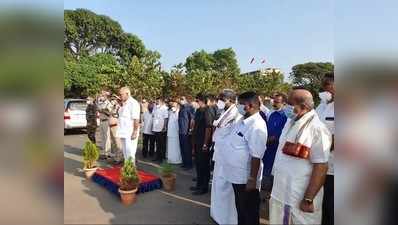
(105, 138)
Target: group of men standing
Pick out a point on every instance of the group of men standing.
(286, 151)
(291, 147)
(119, 124)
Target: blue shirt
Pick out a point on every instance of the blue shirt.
(185, 115)
(275, 124)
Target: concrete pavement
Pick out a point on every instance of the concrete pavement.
(86, 202)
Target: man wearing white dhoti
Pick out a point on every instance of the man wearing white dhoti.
(222, 206)
(129, 115)
(173, 141)
(301, 164)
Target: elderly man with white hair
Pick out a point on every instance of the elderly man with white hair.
(301, 164)
(129, 116)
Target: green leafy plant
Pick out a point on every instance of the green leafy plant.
(90, 155)
(129, 178)
(166, 169)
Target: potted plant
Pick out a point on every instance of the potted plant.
(168, 176)
(90, 157)
(129, 181)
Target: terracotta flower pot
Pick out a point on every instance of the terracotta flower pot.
(90, 172)
(128, 197)
(169, 182)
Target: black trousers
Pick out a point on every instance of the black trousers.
(186, 150)
(328, 201)
(160, 138)
(202, 162)
(247, 205)
(148, 145)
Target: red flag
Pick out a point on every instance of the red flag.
(252, 60)
(263, 61)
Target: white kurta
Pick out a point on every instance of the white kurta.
(292, 174)
(222, 205)
(173, 141)
(129, 112)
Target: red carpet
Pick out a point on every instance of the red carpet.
(109, 178)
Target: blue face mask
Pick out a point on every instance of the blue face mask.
(289, 111)
(241, 109)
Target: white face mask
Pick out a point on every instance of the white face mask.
(220, 104)
(241, 109)
(325, 96)
(173, 109)
(183, 102)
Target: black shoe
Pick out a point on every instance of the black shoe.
(194, 188)
(155, 159)
(199, 192)
(194, 179)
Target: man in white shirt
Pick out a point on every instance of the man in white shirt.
(243, 167)
(222, 206)
(325, 112)
(160, 117)
(128, 121)
(148, 136)
(300, 165)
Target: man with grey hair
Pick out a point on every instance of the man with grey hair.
(128, 123)
(301, 164)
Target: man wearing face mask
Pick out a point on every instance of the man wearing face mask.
(244, 149)
(173, 142)
(201, 135)
(301, 164)
(275, 124)
(215, 113)
(222, 207)
(185, 125)
(159, 127)
(325, 112)
(91, 117)
(148, 136)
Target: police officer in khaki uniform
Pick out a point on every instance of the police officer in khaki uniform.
(116, 145)
(104, 109)
(91, 117)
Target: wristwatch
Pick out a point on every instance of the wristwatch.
(308, 200)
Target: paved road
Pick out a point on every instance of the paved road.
(86, 202)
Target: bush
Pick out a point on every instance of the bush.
(90, 155)
(166, 169)
(129, 178)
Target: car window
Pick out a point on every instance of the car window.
(77, 105)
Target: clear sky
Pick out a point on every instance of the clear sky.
(283, 32)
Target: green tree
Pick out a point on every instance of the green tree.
(89, 74)
(199, 60)
(87, 33)
(310, 75)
